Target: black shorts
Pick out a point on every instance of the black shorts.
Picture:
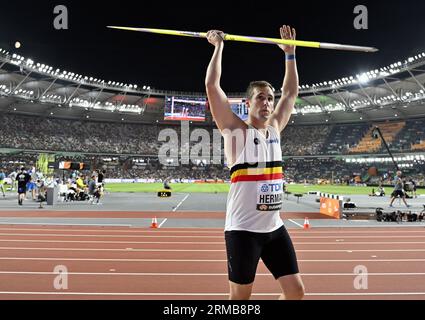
(244, 250)
(22, 190)
(398, 193)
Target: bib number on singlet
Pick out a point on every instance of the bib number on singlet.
(269, 196)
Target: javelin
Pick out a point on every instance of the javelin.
(232, 37)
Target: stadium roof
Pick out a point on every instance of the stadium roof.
(28, 87)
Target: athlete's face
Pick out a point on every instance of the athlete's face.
(261, 104)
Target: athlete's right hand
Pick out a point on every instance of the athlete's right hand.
(215, 37)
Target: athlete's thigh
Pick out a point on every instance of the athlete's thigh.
(279, 254)
(243, 253)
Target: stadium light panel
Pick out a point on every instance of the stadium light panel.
(363, 78)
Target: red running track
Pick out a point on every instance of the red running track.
(125, 263)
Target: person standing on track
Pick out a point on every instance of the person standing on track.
(254, 228)
(12, 177)
(2, 181)
(23, 178)
(398, 190)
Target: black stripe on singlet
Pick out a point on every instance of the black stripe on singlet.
(247, 165)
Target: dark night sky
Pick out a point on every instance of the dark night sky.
(397, 28)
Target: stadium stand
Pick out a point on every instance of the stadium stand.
(342, 137)
(304, 140)
(412, 137)
(369, 144)
(112, 138)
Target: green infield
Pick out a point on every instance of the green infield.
(224, 188)
(176, 187)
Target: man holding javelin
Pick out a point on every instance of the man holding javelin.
(254, 228)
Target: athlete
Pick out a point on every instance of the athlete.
(253, 227)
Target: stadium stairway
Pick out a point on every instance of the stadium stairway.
(368, 144)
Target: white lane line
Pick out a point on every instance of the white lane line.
(201, 260)
(161, 294)
(364, 233)
(195, 250)
(207, 242)
(192, 236)
(372, 226)
(342, 236)
(134, 230)
(361, 242)
(200, 230)
(65, 224)
(105, 249)
(103, 235)
(163, 221)
(296, 223)
(112, 259)
(126, 242)
(166, 274)
(175, 209)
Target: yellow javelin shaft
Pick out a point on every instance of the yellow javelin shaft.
(299, 43)
(232, 37)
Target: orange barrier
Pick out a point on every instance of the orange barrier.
(331, 207)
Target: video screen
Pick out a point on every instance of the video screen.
(185, 108)
(239, 108)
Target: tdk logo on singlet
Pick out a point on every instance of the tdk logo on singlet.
(271, 141)
(273, 187)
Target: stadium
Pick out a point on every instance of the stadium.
(153, 229)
